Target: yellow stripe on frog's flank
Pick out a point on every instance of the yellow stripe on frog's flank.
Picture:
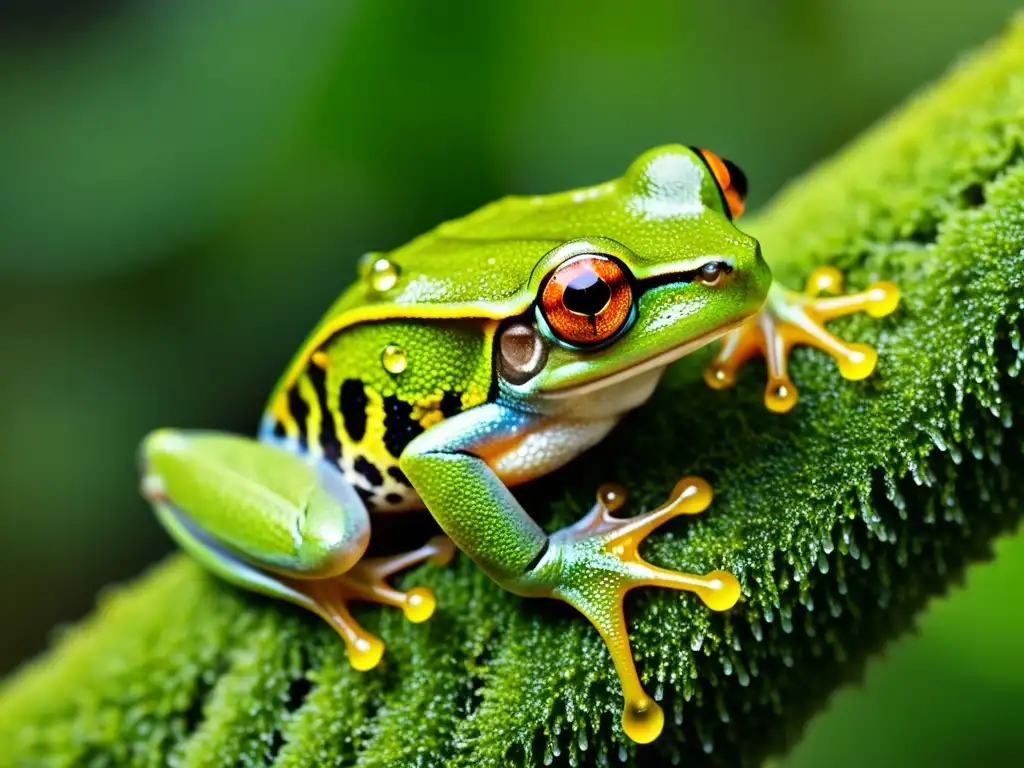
(372, 445)
(280, 411)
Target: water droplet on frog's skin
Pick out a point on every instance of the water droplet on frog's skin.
(394, 359)
(365, 262)
(383, 275)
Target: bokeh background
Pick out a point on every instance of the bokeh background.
(185, 186)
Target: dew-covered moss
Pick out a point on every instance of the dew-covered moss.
(842, 519)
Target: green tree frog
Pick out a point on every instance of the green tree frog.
(481, 355)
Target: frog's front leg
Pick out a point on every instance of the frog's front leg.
(265, 520)
(790, 318)
(590, 565)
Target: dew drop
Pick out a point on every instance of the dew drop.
(786, 620)
(826, 543)
(383, 275)
(755, 628)
(394, 359)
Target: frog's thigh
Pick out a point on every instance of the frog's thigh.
(267, 521)
(232, 501)
(222, 563)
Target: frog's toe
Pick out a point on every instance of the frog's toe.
(368, 579)
(330, 599)
(825, 280)
(367, 582)
(598, 563)
(789, 319)
(737, 348)
(760, 336)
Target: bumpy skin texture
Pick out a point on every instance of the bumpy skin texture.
(842, 520)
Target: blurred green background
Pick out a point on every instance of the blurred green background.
(185, 186)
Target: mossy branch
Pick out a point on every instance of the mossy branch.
(842, 519)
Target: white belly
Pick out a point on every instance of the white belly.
(547, 448)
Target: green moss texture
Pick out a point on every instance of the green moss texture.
(842, 519)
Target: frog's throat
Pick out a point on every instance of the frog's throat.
(659, 360)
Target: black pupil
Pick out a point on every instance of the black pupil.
(587, 294)
(711, 270)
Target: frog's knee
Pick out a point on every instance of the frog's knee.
(158, 443)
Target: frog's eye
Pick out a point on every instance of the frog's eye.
(731, 181)
(712, 272)
(587, 299)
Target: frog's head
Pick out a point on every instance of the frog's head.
(665, 273)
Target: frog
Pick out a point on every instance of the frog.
(488, 352)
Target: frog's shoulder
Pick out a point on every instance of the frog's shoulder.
(478, 266)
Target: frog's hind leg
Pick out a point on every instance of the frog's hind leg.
(601, 563)
(790, 318)
(328, 598)
(268, 521)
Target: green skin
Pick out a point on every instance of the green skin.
(265, 514)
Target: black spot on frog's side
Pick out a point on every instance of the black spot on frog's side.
(353, 403)
(394, 498)
(369, 470)
(451, 404)
(399, 476)
(366, 496)
(399, 427)
(299, 410)
(329, 442)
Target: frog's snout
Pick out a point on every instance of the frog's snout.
(760, 276)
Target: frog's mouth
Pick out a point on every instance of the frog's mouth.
(655, 362)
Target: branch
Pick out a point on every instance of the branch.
(841, 518)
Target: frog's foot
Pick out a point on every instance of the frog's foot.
(790, 318)
(367, 582)
(594, 563)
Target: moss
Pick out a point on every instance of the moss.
(842, 519)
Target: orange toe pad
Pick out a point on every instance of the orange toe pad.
(790, 318)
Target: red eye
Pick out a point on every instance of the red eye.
(587, 299)
(731, 180)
